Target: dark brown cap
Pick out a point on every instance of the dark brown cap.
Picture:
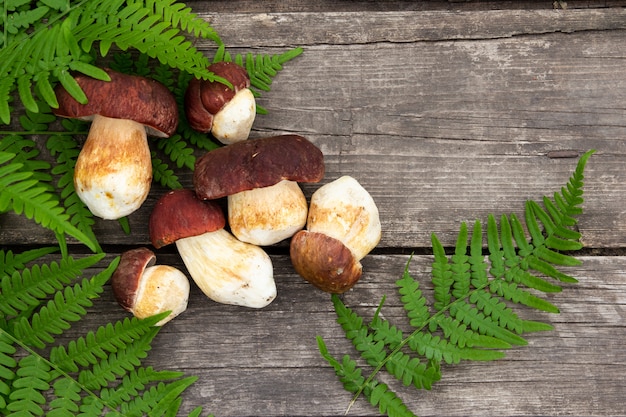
(125, 279)
(257, 163)
(132, 97)
(203, 98)
(179, 214)
(324, 261)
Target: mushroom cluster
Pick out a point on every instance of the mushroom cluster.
(259, 181)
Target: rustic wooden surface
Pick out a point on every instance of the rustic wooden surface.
(445, 112)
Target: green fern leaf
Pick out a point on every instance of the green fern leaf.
(66, 306)
(27, 196)
(119, 363)
(135, 382)
(163, 174)
(26, 289)
(67, 396)
(7, 367)
(179, 151)
(10, 262)
(474, 297)
(159, 399)
(32, 379)
(414, 302)
(89, 350)
(442, 276)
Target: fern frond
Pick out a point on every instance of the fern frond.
(38, 55)
(474, 296)
(413, 301)
(24, 195)
(10, 262)
(89, 350)
(67, 306)
(32, 380)
(353, 381)
(178, 151)
(119, 363)
(7, 367)
(26, 289)
(67, 396)
(163, 174)
(160, 399)
(133, 383)
(442, 276)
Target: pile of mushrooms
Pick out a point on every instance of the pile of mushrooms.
(258, 180)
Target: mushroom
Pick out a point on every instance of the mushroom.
(227, 270)
(260, 179)
(146, 289)
(343, 226)
(212, 106)
(113, 171)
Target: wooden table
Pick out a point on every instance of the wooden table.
(444, 112)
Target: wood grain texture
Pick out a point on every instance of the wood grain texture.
(265, 362)
(445, 112)
(468, 125)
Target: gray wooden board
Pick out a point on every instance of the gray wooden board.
(466, 125)
(266, 363)
(444, 116)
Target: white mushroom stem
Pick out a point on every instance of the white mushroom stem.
(227, 270)
(268, 215)
(113, 171)
(344, 210)
(234, 121)
(161, 288)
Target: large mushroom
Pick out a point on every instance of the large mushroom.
(227, 113)
(227, 270)
(260, 179)
(145, 289)
(343, 226)
(113, 171)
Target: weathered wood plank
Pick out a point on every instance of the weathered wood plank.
(444, 132)
(362, 27)
(265, 362)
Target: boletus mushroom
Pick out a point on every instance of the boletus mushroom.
(113, 171)
(227, 270)
(260, 179)
(343, 226)
(212, 106)
(145, 289)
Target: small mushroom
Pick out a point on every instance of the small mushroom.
(113, 171)
(260, 179)
(211, 106)
(227, 270)
(343, 226)
(146, 289)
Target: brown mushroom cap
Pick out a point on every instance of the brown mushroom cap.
(257, 163)
(203, 98)
(143, 100)
(179, 214)
(125, 279)
(324, 261)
